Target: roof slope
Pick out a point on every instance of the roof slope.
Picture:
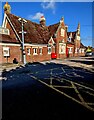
(35, 33)
(82, 46)
(7, 39)
(53, 28)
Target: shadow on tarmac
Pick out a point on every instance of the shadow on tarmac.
(24, 98)
(84, 62)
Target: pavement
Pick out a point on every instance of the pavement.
(84, 62)
(9, 66)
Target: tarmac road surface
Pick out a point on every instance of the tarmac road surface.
(35, 92)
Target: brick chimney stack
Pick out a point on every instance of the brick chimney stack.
(42, 21)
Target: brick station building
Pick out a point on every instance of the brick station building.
(39, 41)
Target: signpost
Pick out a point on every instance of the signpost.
(23, 21)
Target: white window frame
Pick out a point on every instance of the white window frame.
(83, 50)
(35, 50)
(80, 50)
(40, 50)
(62, 32)
(77, 50)
(69, 39)
(70, 49)
(4, 31)
(50, 50)
(63, 41)
(78, 37)
(62, 47)
(6, 51)
(28, 51)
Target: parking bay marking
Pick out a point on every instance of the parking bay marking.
(82, 102)
(74, 86)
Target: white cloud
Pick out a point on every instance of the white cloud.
(48, 4)
(36, 16)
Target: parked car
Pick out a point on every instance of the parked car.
(93, 54)
(88, 54)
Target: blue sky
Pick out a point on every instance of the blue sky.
(73, 12)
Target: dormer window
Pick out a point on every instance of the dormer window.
(69, 39)
(62, 32)
(4, 31)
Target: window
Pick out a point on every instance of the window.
(34, 51)
(70, 50)
(40, 51)
(77, 50)
(62, 32)
(0, 30)
(6, 52)
(28, 51)
(4, 31)
(83, 50)
(69, 39)
(49, 50)
(62, 48)
(78, 37)
(80, 50)
(63, 41)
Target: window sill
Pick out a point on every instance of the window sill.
(35, 54)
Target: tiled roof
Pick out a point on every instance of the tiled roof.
(82, 46)
(53, 28)
(35, 33)
(7, 39)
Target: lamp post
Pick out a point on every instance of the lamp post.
(23, 21)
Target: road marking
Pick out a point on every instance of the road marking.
(62, 86)
(77, 84)
(89, 93)
(63, 70)
(3, 78)
(82, 102)
(72, 86)
(79, 95)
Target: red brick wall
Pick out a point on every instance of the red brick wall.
(72, 46)
(77, 43)
(58, 40)
(15, 52)
(62, 56)
(39, 57)
(81, 54)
